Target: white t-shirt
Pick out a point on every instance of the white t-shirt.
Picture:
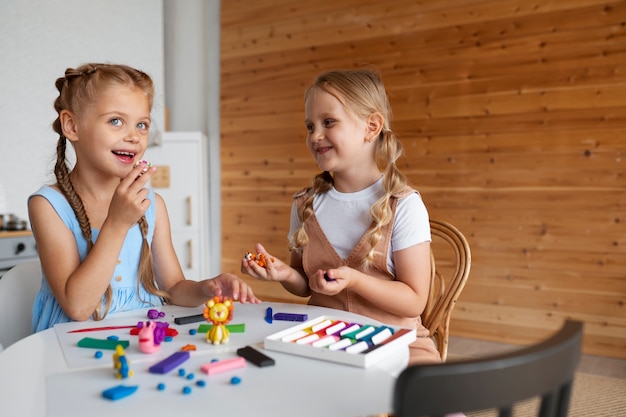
(345, 217)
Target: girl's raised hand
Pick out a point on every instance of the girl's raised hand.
(273, 269)
(130, 200)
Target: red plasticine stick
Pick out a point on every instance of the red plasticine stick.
(97, 329)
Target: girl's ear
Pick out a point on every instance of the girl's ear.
(375, 123)
(69, 125)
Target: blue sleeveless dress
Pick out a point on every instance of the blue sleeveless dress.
(47, 311)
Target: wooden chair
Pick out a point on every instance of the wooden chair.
(447, 280)
(545, 370)
(18, 288)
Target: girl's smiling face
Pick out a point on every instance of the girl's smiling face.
(112, 133)
(337, 139)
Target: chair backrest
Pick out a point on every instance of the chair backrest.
(18, 288)
(545, 370)
(448, 277)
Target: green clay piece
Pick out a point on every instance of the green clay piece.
(233, 328)
(89, 342)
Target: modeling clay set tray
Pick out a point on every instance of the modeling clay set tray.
(341, 341)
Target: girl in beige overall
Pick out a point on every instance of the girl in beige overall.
(360, 236)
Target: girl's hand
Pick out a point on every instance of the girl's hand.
(231, 286)
(130, 201)
(276, 270)
(331, 282)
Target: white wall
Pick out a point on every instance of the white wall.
(39, 39)
(192, 89)
(176, 42)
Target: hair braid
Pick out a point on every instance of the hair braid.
(146, 268)
(388, 151)
(361, 92)
(77, 89)
(62, 174)
(322, 182)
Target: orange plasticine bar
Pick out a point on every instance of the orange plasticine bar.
(224, 365)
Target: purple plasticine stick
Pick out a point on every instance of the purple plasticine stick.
(290, 317)
(169, 363)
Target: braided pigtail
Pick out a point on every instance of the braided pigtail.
(62, 174)
(388, 151)
(77, 90)
(361, 92)
(146, 267)
(321, 184)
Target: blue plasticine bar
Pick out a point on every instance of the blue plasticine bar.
(119, 391)
(291, 317)
(169, 363)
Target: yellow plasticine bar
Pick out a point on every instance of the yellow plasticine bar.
(320, 326)
(296, 335)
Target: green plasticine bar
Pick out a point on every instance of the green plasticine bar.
(89, 342)
(233, 328)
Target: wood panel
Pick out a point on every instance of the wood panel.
(513, 119)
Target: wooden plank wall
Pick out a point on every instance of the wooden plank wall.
(513, 117)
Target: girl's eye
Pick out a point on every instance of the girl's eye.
(328, 122)
(143, 125)
(309, 128)
(116, 122)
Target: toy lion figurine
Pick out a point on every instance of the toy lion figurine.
(219, 311)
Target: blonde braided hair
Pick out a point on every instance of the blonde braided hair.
(362, 93)
(77, 89)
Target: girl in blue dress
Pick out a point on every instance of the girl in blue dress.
(103, 237)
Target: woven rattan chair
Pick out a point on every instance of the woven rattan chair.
(545, 370)
(448, 277)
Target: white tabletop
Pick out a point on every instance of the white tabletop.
(47, 375)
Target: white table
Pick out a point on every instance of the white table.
(37, 380)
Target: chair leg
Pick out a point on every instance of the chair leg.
(505, 411)
(564, 400)
(547, 405)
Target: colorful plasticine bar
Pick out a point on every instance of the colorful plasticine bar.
(190, 319)
(119, 391)
(233, 328)
(258, 358)
(89, 342)
(290, 317)
(169, 363)
(223, 365)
